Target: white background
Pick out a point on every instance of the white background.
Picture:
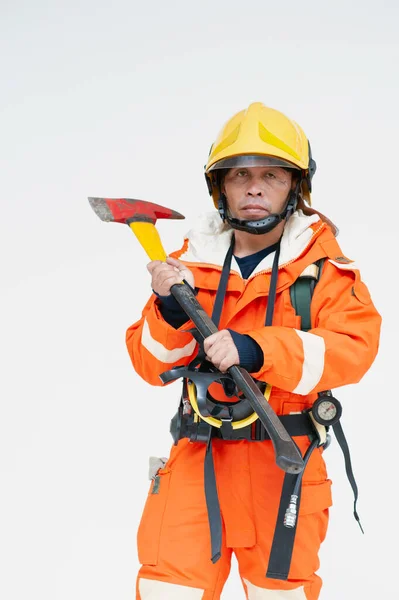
(125, 99)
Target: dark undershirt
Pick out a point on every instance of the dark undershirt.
(249, 351)
(249, 263)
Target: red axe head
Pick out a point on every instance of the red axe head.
(127, 210)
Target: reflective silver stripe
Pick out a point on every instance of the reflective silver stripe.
(257, 593)
(153, 589)
(314, 349)
(162, 353)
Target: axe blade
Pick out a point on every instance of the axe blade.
(128, 210)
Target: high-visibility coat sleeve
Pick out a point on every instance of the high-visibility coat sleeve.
(155, 346)
(337, 351)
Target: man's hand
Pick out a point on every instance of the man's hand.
(221, 350)
(166, 274)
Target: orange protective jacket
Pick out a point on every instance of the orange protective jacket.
(339, 348)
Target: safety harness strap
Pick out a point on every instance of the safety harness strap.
(284, 537)
(212, 502)
(339, 434)
(273, 287)
(287, 519)
(222, 287)
(184, 426)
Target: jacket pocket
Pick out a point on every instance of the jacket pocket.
(315, 497)
(150, 528)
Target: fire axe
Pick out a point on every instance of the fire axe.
(141, 217)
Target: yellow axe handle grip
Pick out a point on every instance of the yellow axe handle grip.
(148, 236)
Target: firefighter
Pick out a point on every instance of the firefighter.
(243, 260)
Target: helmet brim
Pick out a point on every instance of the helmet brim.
(252, 160)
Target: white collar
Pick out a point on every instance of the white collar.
(210, 239)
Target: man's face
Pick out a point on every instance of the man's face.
(253, 193)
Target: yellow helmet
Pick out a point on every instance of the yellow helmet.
(260, 136)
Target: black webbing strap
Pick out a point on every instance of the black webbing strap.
(212, 502)
(222, 287)
(285, 530)
(284, 537)
(295, 424)
(211, 495)
(272, 291)
(217, 307)
(339, 434)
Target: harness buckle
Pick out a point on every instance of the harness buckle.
(320, 431)
(226, 427)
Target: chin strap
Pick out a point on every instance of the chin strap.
(263, 225)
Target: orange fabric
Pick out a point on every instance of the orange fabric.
(342, 311)
(173, 538)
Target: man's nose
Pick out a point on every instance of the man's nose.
(255, 188)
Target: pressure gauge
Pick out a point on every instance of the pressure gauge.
(326, 410)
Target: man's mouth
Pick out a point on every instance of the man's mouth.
(254, 208)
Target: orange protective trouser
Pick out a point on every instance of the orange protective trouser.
(174, 540)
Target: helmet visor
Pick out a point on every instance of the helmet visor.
(252, 160)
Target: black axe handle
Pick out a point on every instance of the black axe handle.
(288, 456)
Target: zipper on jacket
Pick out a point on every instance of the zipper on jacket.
(289, 261)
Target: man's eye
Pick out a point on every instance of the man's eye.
(241, 173)
(270, 175)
